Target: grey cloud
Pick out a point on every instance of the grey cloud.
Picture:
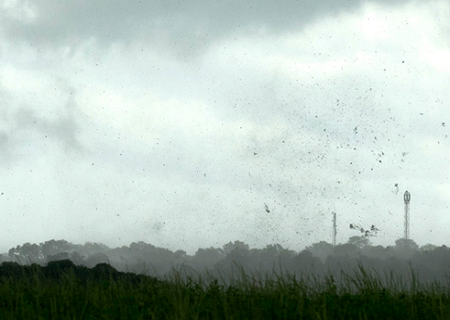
(5, 147)
(64, 129)
(24, 121)
(182, 27)
(3, 140)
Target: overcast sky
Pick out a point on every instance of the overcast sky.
(175, 122)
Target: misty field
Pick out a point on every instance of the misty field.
(62, 290)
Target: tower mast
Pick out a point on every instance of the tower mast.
(407, 199)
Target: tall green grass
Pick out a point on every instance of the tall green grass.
(362, 294)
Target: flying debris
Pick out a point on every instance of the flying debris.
(443, 124)
(396, 189)
(404, 154)
(367, 233)
(356, 227)
(267, 208)
(355, 130)
(372, 232)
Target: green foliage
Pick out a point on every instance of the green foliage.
(62, 290)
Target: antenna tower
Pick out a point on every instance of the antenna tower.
(334, 229)
(407, 199)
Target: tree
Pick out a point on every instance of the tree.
(239, 257)
(275, 256)
(141, 246)
(77, 258)
(207, 258)
(321, 250)
(91, 248)
(346, 250)
(405, 248)
(378, 252)
(227, 248)
(428, 247)
(305, 264)
(406, 244)
(58, 256)
(55, 246)
(95, 259)
(30, 252)
(179, 256)
(359, 241)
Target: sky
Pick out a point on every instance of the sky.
(176, 122)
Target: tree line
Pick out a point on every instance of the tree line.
(431, 262)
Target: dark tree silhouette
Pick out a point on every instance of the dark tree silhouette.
(52, 247)
(227, 248)
(207, 258)
(359, 241)
(321, 249)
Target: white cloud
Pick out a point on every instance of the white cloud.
(23, 11)
(438, 58)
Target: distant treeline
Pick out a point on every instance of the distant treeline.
(429, 262)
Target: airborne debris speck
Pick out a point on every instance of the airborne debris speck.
(267, 208)
(396, 189)
(367, 233)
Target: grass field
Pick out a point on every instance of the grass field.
(64, 291)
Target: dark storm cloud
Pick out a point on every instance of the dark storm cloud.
(182, 26)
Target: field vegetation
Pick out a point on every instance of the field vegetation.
(63, 290)
(355, 280)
